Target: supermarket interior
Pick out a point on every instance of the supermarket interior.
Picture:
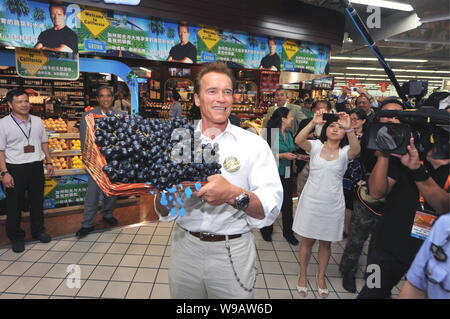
(148, 55)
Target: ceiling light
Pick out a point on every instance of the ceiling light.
(145, 69)
(385, 4)
(396, 70)
(10, 48)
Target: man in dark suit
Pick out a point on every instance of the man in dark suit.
(105, 97)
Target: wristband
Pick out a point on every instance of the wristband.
(349, 130)
(419, 175)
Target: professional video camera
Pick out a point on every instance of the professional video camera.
(428, 125)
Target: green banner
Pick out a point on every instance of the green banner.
(32, 63)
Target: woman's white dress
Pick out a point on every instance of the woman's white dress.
(321, 207)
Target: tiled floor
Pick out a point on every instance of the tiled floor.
(132, 262)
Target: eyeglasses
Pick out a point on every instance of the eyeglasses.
(440, 255)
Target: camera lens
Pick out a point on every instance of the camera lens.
(389, 138)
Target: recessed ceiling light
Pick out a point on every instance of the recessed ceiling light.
(385, 4)
(375, 59)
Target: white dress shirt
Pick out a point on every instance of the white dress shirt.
(13, 140)
(258, 174)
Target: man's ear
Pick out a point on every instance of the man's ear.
(197, 99)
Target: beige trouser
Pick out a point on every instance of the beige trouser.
(202, 269)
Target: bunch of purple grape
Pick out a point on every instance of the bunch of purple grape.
(160, 152)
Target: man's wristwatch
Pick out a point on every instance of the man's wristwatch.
(2, 174)
(242, 201)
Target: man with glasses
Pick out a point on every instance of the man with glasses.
(105, 98)
(282, 101)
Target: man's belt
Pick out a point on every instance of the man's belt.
(213, 237)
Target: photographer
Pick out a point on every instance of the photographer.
(398, 179)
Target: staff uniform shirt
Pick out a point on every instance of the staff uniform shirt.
(258, 173)
(12, 139)
(438, 271)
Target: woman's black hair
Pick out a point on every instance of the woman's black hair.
(323, 135)
(275, 120)
(362, 115)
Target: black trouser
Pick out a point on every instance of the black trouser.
(27, 178)
(286, 210)
(391, 272)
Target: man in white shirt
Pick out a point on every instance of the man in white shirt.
(213, 249)
(23, 147)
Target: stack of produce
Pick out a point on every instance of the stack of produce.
(57, 145)
(59, 163)
(58, 125)
(77, 162)
(76, 145)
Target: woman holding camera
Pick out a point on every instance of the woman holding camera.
(321, 208)
(281, 120)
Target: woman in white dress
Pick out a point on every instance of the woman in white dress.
(321, 207)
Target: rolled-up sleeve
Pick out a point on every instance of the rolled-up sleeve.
(2, 139)
(44, 138)
(265, 183)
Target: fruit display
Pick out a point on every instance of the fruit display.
(56, 145)
(159, 152)
(60, 163)
(58, 125)
(77, 162)
(76, 145)
(255, 125)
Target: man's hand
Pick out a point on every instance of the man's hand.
(303, 157)
(288, 156)
(410, 159)
(8, 181)
(218, 191)
(50, 170)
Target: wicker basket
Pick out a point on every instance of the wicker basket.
(94, 161)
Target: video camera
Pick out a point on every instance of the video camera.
(428, 125)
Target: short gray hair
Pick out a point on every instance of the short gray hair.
(105, 87)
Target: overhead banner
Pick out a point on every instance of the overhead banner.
(32, 63)
(92, 30)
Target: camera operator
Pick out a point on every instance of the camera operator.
(363, 221)
(398, 179)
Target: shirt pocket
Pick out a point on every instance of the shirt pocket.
(438, 272)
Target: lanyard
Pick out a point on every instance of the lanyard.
(29, 133)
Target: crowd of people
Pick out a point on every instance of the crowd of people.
(321, 152)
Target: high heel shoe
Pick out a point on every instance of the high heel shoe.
(302, 291)
(323, 293)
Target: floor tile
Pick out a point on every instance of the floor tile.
(69, 291)
(290, 268)
(145, 275)
(38, 270)
(146, 231)
(111, 260)
(165, 263)
(12, 256)
(107, 238)
(81, 247)
(151, 262)
(12, 296)
(118, 248)
(116, 289)
(124, 274)
(17, 268)
(163, 276)
(166, 225)
(135, 249)
(139, 290)
(286, 256)
(275, 281)
(155, 250)
(159, 240)
(4, 264)
(271, 267)
(100, 247)
(142, 239)
(260, 283)
(263, 245)
(261, 294)
(130, 261)
(267, 255)
(281, 246)
(52, 256)
(162, 231)
(71, 258)
(347, 295)
(91, 237)
(92, 288)
(130, 230)
(124, 239)
(279, 294)
(46, 286)
(42, 246)
(23, 285)
(58, 271)
(60, 297)
(85, 271)
(91, 259)
(6, 281)
(160, 291)
(103, 273)
(62, 246)
(32, 255)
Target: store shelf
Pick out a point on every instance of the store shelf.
(67, 172)
(66, 153)
(63, 135)
(69, 87)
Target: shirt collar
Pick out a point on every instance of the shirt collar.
(19, 121)
(230, 129)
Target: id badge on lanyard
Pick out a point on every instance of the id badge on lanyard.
(423, 221)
